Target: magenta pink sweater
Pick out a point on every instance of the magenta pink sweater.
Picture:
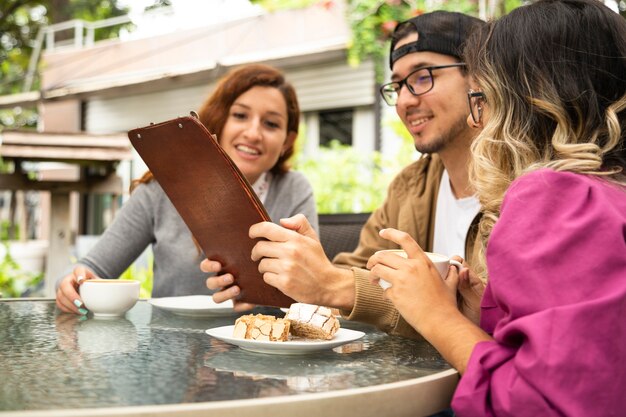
(555, 303)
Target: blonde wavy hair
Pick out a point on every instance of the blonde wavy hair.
(555, 98)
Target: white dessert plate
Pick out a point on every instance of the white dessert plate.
(290, 347)
(194, 306)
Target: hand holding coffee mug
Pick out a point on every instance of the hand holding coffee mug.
(441, 262)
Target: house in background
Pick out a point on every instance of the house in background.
(112, 86)
(118, 85)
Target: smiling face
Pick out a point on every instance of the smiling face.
(437, 118)
(255, 132)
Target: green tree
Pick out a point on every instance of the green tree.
(271, 5)
(372, 22)
(20, 22)
(14, 281)
(359, 181)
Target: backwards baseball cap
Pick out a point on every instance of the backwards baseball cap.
(442, 32)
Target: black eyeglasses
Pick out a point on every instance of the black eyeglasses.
(418, 82)
(476, 99)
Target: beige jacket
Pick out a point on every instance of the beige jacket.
(410, 206)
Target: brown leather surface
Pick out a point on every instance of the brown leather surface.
(212, 196)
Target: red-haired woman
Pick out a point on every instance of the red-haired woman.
(255, 114)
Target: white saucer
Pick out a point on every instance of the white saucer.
(194, 306)
(290, 347)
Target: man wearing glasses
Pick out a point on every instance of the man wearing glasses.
(430, 199)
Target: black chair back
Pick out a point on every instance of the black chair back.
(340, 232)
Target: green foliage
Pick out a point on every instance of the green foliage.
(347, 181)
(158, 4)
(372, 22)
(272, 5)
(5, 167)
(94, 10)
(508, 5)
(344, 181)
(13, 280)
(144, 275)
(18, 117)
(5, 230)
(406, 152)
(20, 21)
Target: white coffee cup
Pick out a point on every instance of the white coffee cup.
(441, 262)
(109, 297)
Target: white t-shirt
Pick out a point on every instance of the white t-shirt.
(452, 220)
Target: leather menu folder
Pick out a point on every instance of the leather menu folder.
(213, 198)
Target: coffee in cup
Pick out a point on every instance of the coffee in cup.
(441, 262)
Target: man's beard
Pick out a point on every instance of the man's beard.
(447, 137)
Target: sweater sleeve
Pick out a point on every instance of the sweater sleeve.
(557, 274)
(369, 304)
(397, 211)
(125, 239)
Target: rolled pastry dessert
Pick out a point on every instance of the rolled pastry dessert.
(261, 327)
(312, 321)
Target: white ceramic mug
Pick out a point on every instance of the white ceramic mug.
(441, 262)
(109, 297)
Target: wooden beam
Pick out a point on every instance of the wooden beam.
(54, 153)
(65, 139)
(30, 98)
(58, 257)
(111, 184)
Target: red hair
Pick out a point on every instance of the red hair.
(214, 112)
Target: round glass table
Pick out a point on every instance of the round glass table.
(154, 362)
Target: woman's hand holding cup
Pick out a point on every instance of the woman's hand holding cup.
(415, 284)
(441, 263)
(67, 298)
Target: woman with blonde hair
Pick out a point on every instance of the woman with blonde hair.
(549, 93)
(255, 115)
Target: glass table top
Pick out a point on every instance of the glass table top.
(52, 361)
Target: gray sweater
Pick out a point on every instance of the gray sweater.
(149, 218)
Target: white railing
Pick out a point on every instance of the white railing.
(84, 32)
(84, 36)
